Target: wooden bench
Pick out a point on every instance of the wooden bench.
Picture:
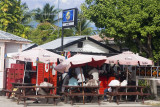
(138, 90)
(24, 96)
(71, 92)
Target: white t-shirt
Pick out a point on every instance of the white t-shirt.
(95, 74)
(78, 72)
(124, 83)
(47, 84)
(113, 83)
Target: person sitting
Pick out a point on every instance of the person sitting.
(124, 83)
(44, 91)
(73, 80)
(114, 82)
(91, 82)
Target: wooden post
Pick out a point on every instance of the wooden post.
(82, 85)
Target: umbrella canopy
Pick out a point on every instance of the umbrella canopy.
(80, 60)
(128, 58)
(37, 54)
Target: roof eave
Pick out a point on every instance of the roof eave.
(14, 41)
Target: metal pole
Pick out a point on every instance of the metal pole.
(58, 18)
(80, 27)
(62, 40)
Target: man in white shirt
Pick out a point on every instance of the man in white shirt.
(47, 84)
(80, 76)
(91, 82)
(95, 74)
(115, 82)
(44, 91)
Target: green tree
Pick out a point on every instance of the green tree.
(10, 14)
(11, 17)
(136, 23)
(45, 32)
(27, 15)
(67, 32)
(47, 14)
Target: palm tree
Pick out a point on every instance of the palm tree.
(27, 15)
(82, 27)
(47, 14)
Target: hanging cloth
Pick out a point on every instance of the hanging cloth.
(46, 67)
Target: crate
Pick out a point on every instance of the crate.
(17, 66)
(10, 73)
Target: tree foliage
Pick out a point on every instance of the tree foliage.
(83, 26)
(47, 14)
(12, 16)
(136, 23)
(45, 32)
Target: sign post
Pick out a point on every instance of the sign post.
(69, 19)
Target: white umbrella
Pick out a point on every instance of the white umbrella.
(37, 54)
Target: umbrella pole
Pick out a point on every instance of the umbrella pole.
(127, 80)
(24, 71)
(49, 72)
(82, 84)
(37, 79)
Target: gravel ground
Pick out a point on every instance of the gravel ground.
(4, 102)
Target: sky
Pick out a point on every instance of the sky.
(63, 4)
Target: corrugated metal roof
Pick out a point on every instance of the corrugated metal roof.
(9, 36)
(57, 43)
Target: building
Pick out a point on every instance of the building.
(80, 44)
(9, 43)
(109, 42)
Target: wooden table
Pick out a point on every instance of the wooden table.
(123, 90)
(72, 91)
(34, 88)
(17, 92)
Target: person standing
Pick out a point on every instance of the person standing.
(80, 75)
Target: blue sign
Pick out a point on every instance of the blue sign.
(68, 16)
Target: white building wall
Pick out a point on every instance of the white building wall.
(6, 47)
(88, 46)
(2, 53)
(11, 48)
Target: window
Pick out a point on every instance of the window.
(80, 44)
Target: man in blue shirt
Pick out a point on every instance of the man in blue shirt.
(73, 81)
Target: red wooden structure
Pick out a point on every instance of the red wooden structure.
(14, 74)
(42, 73)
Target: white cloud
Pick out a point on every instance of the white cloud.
(64, 1)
